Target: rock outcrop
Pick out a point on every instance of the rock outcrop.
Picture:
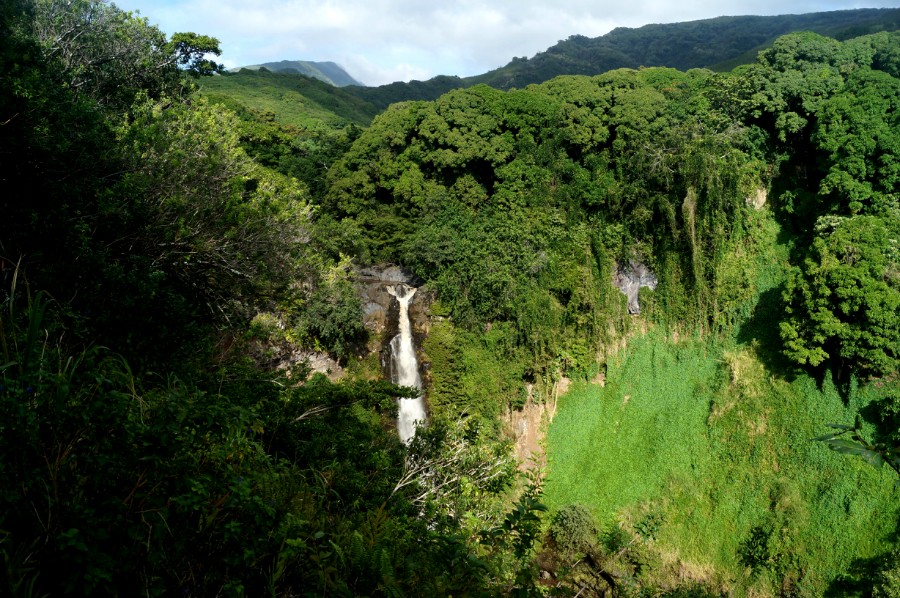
(381, 310)
(378, 303)
(629, 278)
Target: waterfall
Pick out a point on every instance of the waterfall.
(405, 367)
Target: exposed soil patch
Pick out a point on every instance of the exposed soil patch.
(528, 425)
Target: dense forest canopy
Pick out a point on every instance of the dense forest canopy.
(163, 247)
(652, 164)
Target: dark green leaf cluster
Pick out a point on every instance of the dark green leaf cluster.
(111, 486)
(235, 483)
(189, 52)
(97, 51)
(574, 529)
(835, 109)
(142, 214)
(849, 440)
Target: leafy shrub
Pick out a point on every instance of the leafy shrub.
(333, 313)
(755, 551)
(887, 581)
(616, 539)
(574, 528)
(265, 326)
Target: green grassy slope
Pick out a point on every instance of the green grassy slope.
(293, 99)
(721, 43)
(710, 443)
(713, 440)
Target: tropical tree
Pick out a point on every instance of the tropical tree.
(100, 52)
(844, 303)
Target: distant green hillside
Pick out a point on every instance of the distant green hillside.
(301, 92)
(329, 72)
(293, 99)
(384, 95)
(719, 44)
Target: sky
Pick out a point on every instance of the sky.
(381, 41)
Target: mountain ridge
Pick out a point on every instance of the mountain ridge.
(702, 43)
(328, 71)
(718, 43)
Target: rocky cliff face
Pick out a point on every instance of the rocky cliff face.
(629, 278)
(381, 310)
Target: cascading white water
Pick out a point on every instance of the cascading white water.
(405, 366)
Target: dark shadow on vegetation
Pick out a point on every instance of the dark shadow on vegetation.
(884, 414)
(784, 236)
(862, 574)
(761, 330)
(841, 377)
(859, 578)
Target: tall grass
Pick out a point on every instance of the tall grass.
(707, 440)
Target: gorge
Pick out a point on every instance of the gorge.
(207, 388)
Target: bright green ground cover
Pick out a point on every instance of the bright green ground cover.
(292, 99)
(714, 446)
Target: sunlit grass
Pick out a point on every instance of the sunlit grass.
(292, 99)
(715, 445)
(641, 432)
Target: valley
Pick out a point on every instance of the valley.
(626, 332)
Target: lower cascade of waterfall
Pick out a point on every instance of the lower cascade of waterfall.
(405, 366)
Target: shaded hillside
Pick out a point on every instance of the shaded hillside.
(294, 99)
(329, 72)
(384, 95)
(720, 44)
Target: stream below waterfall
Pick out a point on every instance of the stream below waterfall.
(405, 366)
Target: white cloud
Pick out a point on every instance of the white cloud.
(379, 41)
(362, 69)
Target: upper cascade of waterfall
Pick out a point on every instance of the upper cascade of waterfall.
(403, 292)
